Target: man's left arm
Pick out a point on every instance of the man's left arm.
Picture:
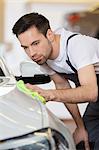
(80, 133)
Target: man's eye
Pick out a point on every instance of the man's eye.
(25, 48)
(36, 43)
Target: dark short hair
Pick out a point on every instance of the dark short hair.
(29, 20)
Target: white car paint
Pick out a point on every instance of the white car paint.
(20, 115)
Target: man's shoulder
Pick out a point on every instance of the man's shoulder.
(65, 33)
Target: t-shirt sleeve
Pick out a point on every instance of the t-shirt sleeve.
(82, 52)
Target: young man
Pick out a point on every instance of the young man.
(65, 55)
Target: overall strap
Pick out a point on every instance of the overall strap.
(68, 61)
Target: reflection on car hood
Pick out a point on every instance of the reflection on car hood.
(6, 89)
(19, 114)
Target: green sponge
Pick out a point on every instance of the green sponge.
(21, 86)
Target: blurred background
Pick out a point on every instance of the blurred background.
(75, 15)
(61, 13)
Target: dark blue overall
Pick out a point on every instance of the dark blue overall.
(91, 115)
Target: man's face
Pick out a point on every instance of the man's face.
(36, 45)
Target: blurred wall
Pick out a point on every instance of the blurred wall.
(14, 9)
(1, 20)
(56, 12)
(53, 11)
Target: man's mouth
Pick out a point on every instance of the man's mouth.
(38, 60)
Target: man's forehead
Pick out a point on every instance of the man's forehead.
(29, 37)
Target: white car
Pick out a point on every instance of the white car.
(26, 123)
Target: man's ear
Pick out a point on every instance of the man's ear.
(50, 35)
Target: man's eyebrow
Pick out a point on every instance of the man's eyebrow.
(30, 44)
(24, 46)
(35, 42)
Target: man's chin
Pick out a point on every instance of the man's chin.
(40, 62)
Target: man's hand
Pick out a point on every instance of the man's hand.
(79, 135)
(47, 94)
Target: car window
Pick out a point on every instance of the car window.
(1, 75)
(1, 72)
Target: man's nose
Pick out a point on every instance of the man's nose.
(32, 52)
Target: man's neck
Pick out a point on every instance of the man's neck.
(55, 47)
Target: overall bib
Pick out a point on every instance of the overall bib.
(91, 115)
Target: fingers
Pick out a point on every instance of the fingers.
(47, 94)
(80, 135)
(87, 147)
(34, 88)
(28, 85)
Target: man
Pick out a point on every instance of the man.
(65, 55)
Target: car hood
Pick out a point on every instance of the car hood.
(19, 114)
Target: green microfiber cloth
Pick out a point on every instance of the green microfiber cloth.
(21, 86)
